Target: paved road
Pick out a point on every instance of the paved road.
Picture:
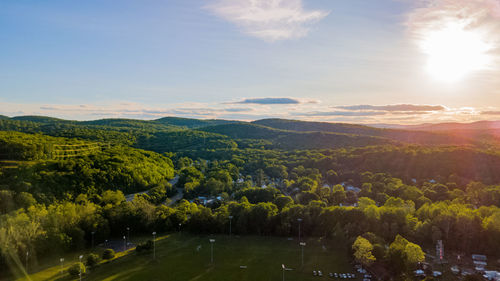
(173, 182)
(177, 197)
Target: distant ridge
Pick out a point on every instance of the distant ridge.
(192, 123)
(38, 119)
(450, 126)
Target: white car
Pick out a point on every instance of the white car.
(315, 273)
(320, 273)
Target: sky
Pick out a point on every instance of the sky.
(356, 61)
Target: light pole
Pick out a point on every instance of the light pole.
(283, 269)
(93, 232)
(27, 257)
(80, 266)
(154, 245)
(230, 219)
(212, 241)
(299, 220)
(128, 235)
(124, 243)
(62, 265)
(302, 244)
(180, 224)
(106, 243)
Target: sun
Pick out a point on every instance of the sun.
(455, 51)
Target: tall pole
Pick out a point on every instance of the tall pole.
(302, 244)
(154, 245)
(124, 243)
(299, 220)
(230, 219)
(128, 235)
(80, 266)
(283, 269)
(62, 265)
(27, 256)
(212, 241)
(93, 232)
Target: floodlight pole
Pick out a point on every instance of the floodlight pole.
(80, 266)
(128, 235)
(299, 220)
(283, 269)
(302, 244)
(230, 219)
(62, 265)
(154, 245)
(212, 241)
(124, 243)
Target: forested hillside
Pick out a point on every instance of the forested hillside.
(417, 137)
(287, 139)
(61, 166)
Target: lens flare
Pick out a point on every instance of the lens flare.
(454, 52)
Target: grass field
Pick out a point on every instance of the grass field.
(178, 258)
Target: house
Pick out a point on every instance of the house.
(419, 273)
(492, 275)
(479, 258)
(353, 188)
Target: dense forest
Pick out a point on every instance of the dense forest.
(394, 192)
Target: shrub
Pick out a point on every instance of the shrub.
(144, 247)
(108, 254)
(92, 260)
(74, 270)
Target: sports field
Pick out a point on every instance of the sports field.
(187, 257)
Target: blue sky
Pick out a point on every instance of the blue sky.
(146, 59)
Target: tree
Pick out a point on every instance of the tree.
(338, 194)
(76, 268)
(363, 251)
(92, 260)
(413, 255)
(113, 197)
(331, 177)
(108, 254)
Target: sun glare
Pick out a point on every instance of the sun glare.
(453, 52)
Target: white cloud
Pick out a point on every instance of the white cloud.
(311, 112)
(270, 20)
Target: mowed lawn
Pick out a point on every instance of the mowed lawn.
(186, 257)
